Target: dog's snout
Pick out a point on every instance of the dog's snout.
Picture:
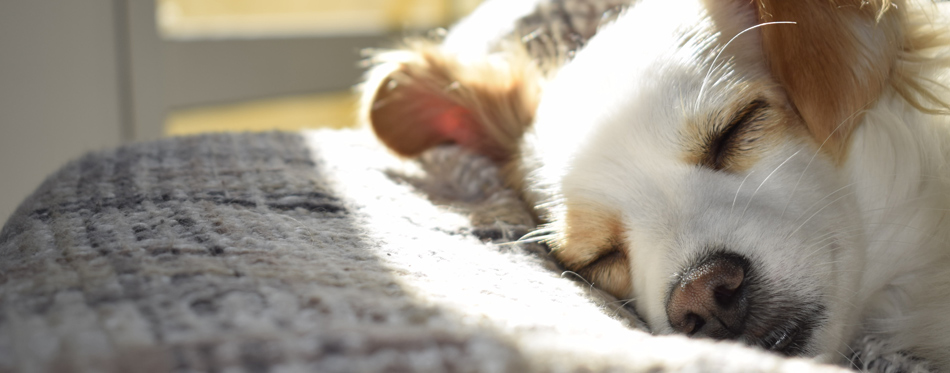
(710, 298)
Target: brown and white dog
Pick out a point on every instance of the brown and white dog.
(770, 171)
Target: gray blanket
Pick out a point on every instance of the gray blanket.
(309, 252)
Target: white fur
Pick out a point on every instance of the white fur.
(898, 162)
(868, 238)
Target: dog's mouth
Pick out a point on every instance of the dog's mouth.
(782, 323)
(789, 339)
(782, 340)
(772, 329)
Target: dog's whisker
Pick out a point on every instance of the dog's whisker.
(849, 358)
(765, 180)
(736, 197)
(529, 240)
(836, 235)
(538, 232)
(818, 151)
(815, 249)
(860, 213)
(622, 305)
(712, 65)
(539, 235)
(807, 209)
(819, 210)
(837, 297)
(832, 236)
(894, 205)
(577, 275)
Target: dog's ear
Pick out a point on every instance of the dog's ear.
(421, 96)
(834, 62)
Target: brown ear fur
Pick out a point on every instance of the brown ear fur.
(841, 55)
(420, 96)
(834, 62)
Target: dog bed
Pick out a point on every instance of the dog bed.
(317, 252)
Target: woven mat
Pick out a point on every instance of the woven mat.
(317, 252)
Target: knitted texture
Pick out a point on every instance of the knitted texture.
(321, 252)
(556, 29)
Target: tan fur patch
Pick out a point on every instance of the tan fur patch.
(834, 63)
(592, 244)
(420, 96)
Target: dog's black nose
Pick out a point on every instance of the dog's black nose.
(710, 298)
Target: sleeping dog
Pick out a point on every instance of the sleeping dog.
(774, 172)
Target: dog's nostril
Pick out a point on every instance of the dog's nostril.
(727, 294)
(709, 300)
(696, 324)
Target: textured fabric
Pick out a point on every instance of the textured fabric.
(558, 28)
(281, 252)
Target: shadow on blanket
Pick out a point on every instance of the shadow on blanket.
(307, 252)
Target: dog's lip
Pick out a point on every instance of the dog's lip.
(788, 339)
(783, 340)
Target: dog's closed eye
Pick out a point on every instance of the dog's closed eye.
(610, 271)
(593, 246)
(724, 144)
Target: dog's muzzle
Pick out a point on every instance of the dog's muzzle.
(719, 297)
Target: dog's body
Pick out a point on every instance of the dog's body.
(774, 172)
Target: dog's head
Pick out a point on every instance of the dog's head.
(690, 158)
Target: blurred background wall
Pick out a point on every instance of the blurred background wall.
(59, 88)
(77, 76)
